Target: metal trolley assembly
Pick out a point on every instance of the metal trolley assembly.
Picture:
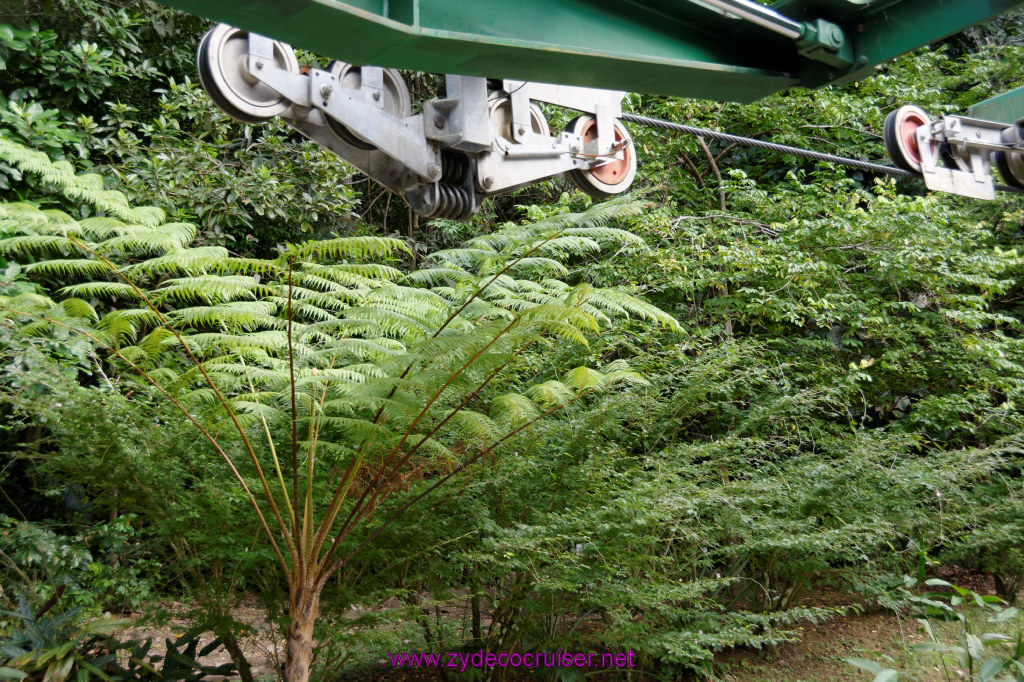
(490, 136)
(955, 153)
(484, 138)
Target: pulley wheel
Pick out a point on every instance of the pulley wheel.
(500, 112)
(900, 131)
(954, 158)
(222, 59)
(395, 97)
(1011, 167)
(608, 179)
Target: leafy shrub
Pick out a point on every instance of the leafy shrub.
(43, 561)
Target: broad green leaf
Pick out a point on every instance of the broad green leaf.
(975, 647)
(989, 669)
(866, 664)
(1005, 615)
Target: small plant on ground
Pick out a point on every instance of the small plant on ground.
(979, 657)
(55, 646)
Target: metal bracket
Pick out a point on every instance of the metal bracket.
(530, 157)
(406, 155)
(460, 120)
(444, 162)
(569, 96)
(376, 164)
(261, 66)
(975, 140)
(819, 39)
(825, 42)
(606, 105)
(401, 139)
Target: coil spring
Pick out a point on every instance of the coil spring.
(454, 167)
(453, 203)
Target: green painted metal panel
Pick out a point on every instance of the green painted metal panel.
(1005, 108)
(897, 27)
(572, 42)
(672, 47)
(881, 30)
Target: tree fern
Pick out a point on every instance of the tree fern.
(373, 367)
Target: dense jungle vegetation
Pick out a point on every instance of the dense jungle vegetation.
(234, 370)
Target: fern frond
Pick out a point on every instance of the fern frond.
(548, 266)
(584, 378)
(441, 276)
(550, 393)
(476, 425)
(541, 314)
(629, 306)
(155, 343)
(86, 188)
(118, 290)
(240, 316)
(513, 408)
(76, 307)
(162, 240)
(104, 227)
(198, 261)
(358, 248)
(360, 275)
(36, 245)
(209, 289)
(69, 267)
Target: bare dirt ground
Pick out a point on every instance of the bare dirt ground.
(818, 656)
(260, 646)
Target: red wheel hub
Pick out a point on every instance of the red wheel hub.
(908, 134)
(614, 172)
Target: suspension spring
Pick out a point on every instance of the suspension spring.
(454, 167)
(453, 203)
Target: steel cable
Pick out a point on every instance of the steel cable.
(779, 148)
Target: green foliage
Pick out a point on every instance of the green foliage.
(990, 540)
(880, 297)
(87, 189)
(344, 314)
(841, 397)
(969, 653)
(117, 83)
(201, 166)
(45, 562)
(180, 660)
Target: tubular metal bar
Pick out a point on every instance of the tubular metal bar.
(758, 14)
(781, 148)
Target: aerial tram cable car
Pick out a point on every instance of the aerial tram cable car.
(488, 135)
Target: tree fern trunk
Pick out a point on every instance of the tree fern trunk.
(305, 607)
